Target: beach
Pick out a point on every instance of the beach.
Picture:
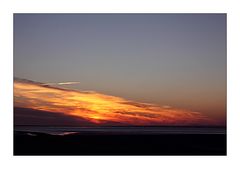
(119, 143)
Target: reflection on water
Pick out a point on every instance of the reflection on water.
(121, 130)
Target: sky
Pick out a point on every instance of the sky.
(91, 108)
(174, 61)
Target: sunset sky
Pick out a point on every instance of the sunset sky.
(123, 68)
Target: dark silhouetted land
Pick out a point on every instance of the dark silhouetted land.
(34, 143)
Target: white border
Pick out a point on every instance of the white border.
(127, 6)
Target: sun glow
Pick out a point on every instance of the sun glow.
(99, 108)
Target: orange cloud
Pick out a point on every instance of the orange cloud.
(99, 108)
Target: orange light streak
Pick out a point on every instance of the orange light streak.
(99, 108)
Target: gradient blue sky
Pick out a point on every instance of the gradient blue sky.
(168, 59)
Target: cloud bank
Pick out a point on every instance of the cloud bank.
(99, 108)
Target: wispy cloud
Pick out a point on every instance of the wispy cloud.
(62, 83)
(99, 108)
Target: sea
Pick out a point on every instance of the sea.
(131, 130)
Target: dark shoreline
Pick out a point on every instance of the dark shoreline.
(32, 143)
